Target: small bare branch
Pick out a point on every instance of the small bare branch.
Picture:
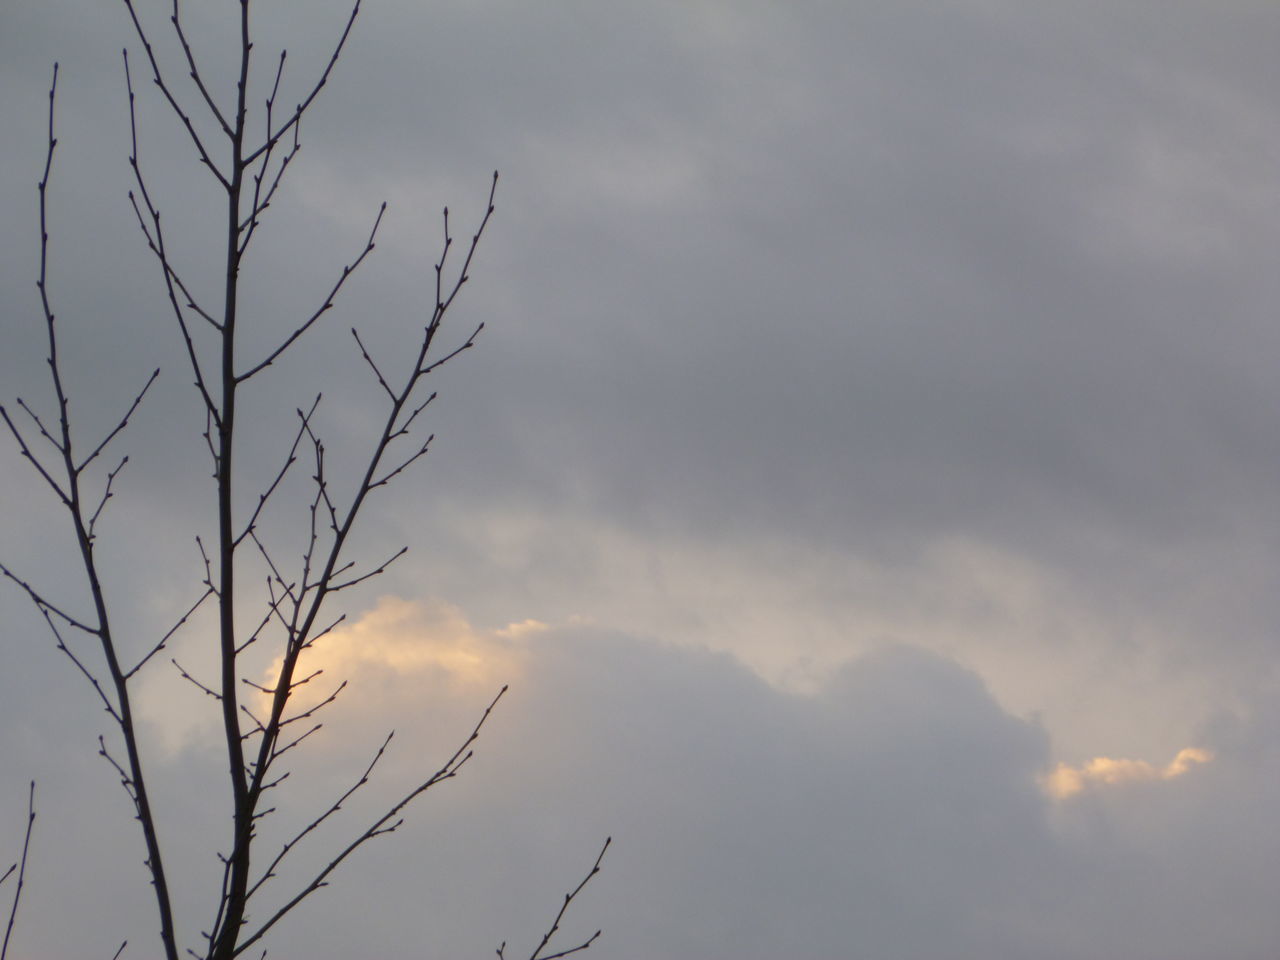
(555, 924)
(382, 382)
(272, 611)
(121, 423)
(403, 429)
(387, 823)
(279, 752)
(173, 275)
(32, 459)
(404, 465)
(443, 304)
(257, 724)
(289, 461)
(208, 572)
(79, 665)
(466, 345)
(126, 780)
(347, 271)
(181, 114)
(22, 870)
(332, 809)
(294, 120)
(199, 686)
(294, 685)
(195, 73)
(249, 225)
(106, 495)
(315, 635)
(170, 632)
(35, 417)
(322, 489)
(381, 568)
(43, 604)
(311, 711)
(156, 244)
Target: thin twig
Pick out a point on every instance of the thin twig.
(173, 102)
(157, 246)
(22, 870)
(195, 72)
(387, 823)
(106, 495)
(564, 907)
(301, 108)
(289, 461)
(302, 328)
(198, 685)
(171, 631)
(332, 809)
(121, 423)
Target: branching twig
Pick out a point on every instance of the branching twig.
(387, 823)
(289, 460)
(333, 808)
(32, 459)
(171, 631)
(106, 495)
(382, 381)
(301, 108)
(70, 493)
(325, 307)
(196, 683)
(157, 245)
(163, 85)
(564, 907)
(121, 423)
(376, 571)
(195, 72)
(43, 604)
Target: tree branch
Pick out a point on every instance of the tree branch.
(173, 102)
(315, 91)
(378, 827)
(564, 907)
(21, 867)
(347, 271)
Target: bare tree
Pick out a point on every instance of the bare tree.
(294, 606)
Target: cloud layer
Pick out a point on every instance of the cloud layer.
(877, 402)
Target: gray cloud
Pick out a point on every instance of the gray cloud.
(896, 813)
(810, 331)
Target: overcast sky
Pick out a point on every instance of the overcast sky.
(867, 479)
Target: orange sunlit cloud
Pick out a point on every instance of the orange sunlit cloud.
(1068, 781)
(409, 637)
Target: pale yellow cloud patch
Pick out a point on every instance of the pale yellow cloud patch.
(1068, 781)
(413, 637)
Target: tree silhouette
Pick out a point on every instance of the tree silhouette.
(261, 723)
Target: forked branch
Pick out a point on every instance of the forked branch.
(389, 822)
(564, 908)
(113, 687)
